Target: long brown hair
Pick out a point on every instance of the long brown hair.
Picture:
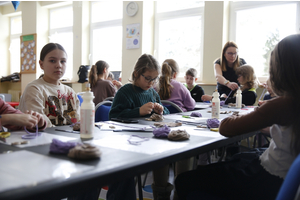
(169, 67)
(249, 76)
(144, 63)
(97, 69)
(223, 61)
(284, 77)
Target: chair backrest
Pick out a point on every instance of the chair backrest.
(290, 185)
(102, 110)
(109, 99)
(80, 98)
(7, 97)
(172, 107)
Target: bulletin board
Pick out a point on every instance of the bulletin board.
(28, 54)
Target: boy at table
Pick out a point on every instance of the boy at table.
(14, 119)
(195, 90)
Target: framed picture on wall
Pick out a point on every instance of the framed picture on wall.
(28, 54)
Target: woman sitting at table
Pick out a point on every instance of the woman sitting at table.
(225, 68)
(14, 119)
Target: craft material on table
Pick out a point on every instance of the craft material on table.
(152, 146)
(68, 131)
(45, 138)
(118, 127)
(4, 135)
(155, 117)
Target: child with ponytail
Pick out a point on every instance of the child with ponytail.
(172, 90)
(100, 86)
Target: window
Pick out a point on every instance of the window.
(14, 49)
(106, 33)
(61, 31)
(179, 33)
(257, 27)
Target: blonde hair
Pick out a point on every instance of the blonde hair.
(169, 67)
(249, 76)
(97, 69)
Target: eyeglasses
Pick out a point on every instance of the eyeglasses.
(232, 54)
(149, 80)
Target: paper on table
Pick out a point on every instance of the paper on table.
(152, 146)
(117, 125)
(16, 171)
(44, 138)
(192, 119)
(201, 105)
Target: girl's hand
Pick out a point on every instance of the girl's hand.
(146, 109)
(206, 97)
(261, 102)
(118, 84)
(40, 118)
(159, 109)
(223, 95)
(232, 85)
(19, 120)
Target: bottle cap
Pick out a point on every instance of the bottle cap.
(88, 88)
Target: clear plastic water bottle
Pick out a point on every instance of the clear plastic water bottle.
(215, 107)
(87, 116)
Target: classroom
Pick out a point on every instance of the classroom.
(123, 34)
(217, 26)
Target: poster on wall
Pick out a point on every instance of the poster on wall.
(28, 54)
(133, 36)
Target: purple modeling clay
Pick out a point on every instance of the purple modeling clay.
(161, 132)
(60, 147)
(196, 114)
(222, 103)
(213, 123)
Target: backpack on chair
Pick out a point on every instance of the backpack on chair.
(83, 73)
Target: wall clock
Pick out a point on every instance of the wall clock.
(132, 8)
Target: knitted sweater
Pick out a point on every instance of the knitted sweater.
(57, 103)
(129, 99)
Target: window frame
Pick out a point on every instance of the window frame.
(245, 5)
(67, 29)
(11, 37)
(100, 25)
(189, 12)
